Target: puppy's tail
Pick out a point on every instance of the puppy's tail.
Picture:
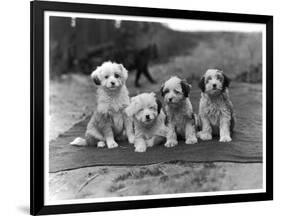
(78, 141)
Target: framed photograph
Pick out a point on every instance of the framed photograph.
(143, 107)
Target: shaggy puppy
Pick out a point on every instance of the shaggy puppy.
(109, 119)
(215, 108)
(178, 109)
(149, 120)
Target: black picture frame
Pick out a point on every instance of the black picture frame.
(37, 9)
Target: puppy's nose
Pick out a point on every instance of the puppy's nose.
(147, 117)
(214, 85)
(112, 83)
(170, 99)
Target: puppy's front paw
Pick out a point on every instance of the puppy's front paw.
(191, 140)
(171, 143)
(131, 139)
(225, 139)
(112, 144)
(150, 142)
(140, 148)
(101, 144)
(204, 135)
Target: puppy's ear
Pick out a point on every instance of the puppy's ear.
(201, 84)
(159, 105)
(185, 88)
(161, 90)
(95, 76)
(124, 71)
(130, 110)
(226, 82)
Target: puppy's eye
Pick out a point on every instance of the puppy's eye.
(116, 76)
(177, 91)
(208, 79)
(152, 107)
(219, 77)
(106, 77)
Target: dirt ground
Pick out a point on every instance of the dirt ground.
(72, 98)
(165, 178)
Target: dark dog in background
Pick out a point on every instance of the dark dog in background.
(141, 60)
(131, 58)
(137, 59)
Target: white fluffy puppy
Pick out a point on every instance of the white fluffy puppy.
(178, 109)
(149, 120)
(109, 119)
(215, 108)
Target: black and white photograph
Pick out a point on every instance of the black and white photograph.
(140, 107)
(143, 106)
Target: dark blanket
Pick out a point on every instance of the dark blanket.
(246, 146)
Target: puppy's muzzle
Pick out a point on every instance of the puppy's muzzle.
(214, 86)
(171, 101)
(147, 117)
(112, 85)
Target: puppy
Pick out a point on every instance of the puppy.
(149, 120)
(215, 108)
(178, 109)
(109, 120)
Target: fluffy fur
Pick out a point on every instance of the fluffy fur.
(178, 109)
(109, 120)
(215, 108)
(149, 120)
